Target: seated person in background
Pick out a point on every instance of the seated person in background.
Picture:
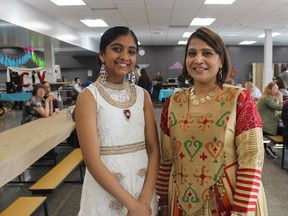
(269, 105)
(37, 106)
(282, 85)
(284, 117)
(48, 93)
(2, 110)
(76, 89)
(254, 91)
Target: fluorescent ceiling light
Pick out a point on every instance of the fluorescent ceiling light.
(67, 37)
(274, 34)
(37, 25)
(202, 21)
(94, 22)
(186, 34)
(68, 2)
(219, 2)
(182, 42)
(139, 43)
(247, 42)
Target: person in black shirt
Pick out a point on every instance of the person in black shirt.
(16, 82)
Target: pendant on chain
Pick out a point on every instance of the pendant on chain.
(127, 114)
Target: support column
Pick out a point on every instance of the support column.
(49, 60)
(268, 72)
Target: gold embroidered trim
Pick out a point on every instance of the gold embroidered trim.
(141, 172)
(119, 176)
(115, 205)
(253, 145)
(122, 149)
(106, 96)
(113, 86)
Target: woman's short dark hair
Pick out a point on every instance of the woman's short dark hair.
(281, 83)
(216, 43)
(36, 87)
(112, 34)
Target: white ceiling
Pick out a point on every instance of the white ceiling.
(163, 22)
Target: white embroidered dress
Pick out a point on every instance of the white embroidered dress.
(122, 147)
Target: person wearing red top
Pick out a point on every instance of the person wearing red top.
(211, 139)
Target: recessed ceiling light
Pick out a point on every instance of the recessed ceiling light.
(139, 43)
(182, 42)
(274, 34)
(247, 42)
(219, 2)
(68, 2)
(186, 34)
(94, 22)
(202, 21)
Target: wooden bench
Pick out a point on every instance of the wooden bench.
(275, 138)
(25, 206)
(54, 177)
(279, 140)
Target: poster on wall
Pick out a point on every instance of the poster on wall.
(30, 76)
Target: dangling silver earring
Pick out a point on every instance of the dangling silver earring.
(220, 75)
(132, 77)
(103, 73)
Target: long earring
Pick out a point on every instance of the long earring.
(220, 74)
(103, 73)
(132, 77)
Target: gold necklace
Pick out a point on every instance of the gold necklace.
(195, 101)
(122, 105)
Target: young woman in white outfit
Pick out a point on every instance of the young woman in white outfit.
(118, 135)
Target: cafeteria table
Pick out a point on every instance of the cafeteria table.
(21, 96)
(22, 146)
(165, 93)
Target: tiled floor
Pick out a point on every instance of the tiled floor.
(65, 200)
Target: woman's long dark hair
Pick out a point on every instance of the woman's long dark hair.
(146, 75)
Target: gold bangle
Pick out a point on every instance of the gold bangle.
(234, 213)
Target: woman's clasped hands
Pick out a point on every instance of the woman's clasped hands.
(140, 209)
